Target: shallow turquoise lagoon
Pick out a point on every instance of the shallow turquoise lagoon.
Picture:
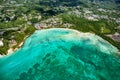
(62, 54)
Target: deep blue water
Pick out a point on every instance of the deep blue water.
(62, 54)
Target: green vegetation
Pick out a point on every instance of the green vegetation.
(11, 24)
(17, 36)
(85, 25)
(4, 48)
(18, 17)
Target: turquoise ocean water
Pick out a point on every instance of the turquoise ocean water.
(62, 54)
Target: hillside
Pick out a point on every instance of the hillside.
(20, 18)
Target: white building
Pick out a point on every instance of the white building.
(1, 43)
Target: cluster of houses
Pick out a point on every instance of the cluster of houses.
(90, 15)
(51, 22)
(115, 37)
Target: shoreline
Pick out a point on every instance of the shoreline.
(11, 50)
(19, 46)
